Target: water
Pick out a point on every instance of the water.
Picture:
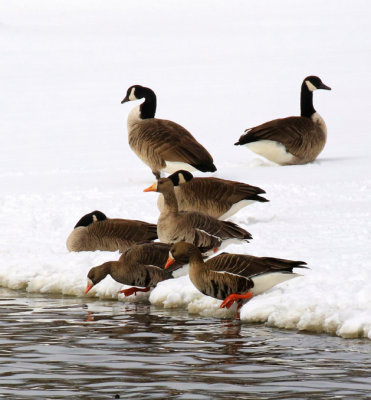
(81, 348)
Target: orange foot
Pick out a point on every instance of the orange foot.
(133, 290)
(228, 302)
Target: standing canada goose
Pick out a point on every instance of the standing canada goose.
(232, 277)
(198, 228)
(94, 231)
(140, 265)
(159, 142)
(219, 198)
(292, 140)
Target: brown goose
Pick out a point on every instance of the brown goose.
(198, 228)
(232, 277)
(94, 231)
(219, 198)
(159, 142)
(140, 265)
(292, 140)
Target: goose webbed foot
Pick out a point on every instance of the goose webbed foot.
(228, 302)
(133, 290)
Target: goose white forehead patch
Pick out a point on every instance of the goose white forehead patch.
(89, 282)
(170, 255)
(95, 219)
(310, 86)
(132, 94)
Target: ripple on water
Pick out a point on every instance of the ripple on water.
(83, 348)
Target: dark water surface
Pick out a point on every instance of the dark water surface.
(54, 348)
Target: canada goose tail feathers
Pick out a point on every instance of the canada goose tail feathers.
(232, 230)
(258, 198)
(205, 166)
(248, 137)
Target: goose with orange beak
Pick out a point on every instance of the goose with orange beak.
(141, 265)
(232, 277)
(202, 230)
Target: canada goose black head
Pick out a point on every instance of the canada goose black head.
(180, 177)
(313, 83)
(136, 92)
(88, 219)
(148, 107)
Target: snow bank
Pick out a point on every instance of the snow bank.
(64, 150)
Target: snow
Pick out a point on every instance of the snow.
(217, 67)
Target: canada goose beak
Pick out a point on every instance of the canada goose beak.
(170, 261)
(152, 188)
(125, 99)
(323, 86)
(89, 285)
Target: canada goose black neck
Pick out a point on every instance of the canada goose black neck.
(306, 101)
(148, 107)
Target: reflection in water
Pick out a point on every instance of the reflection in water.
(53, 348)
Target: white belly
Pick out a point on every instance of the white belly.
(172, 166)
(272, 150)
(266, 281)
(236, 207)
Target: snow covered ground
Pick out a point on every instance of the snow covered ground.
(217, 67)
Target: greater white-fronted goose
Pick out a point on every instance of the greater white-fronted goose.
(159, 142)
(94, 231)
(232, 277)
(198, 228)
(219, 198)
(140, 265)
(292, 140)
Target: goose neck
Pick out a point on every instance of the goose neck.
(148, 107)
(306, 102)
(170, 202)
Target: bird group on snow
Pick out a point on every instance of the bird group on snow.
(193, 210)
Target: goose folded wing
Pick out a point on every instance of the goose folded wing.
(174, 143)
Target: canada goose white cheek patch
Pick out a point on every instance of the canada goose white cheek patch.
(272, 150)
(310, 86)
(132, 95)
(181, 179)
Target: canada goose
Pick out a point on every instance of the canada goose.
(140, 265)
(198, 228)
(94, 231)
(232, 277)
(292, 140)
(219, 198)
(159, 142)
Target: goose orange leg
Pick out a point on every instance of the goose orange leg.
(228, 302)
(133, 290)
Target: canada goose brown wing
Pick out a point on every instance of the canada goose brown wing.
(174, 143)
(144, 275)
(124, 229)
(288, 131)
(247, 265)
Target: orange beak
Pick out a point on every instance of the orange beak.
(170, 261)
(88, 287)
(152, 188)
